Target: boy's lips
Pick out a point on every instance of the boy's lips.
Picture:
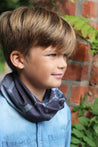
(58, 75)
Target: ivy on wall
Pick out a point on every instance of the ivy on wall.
(83, 28)
(85, 133)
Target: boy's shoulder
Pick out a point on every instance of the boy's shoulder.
(7, 80)
(3, 103)
(5, 108)
(2, 100)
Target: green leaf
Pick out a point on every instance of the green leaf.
(79, 126)
(73, 1)
(93, 120)
(82, 111)
(76, 108)
(84, 120)
(72, 145)
(89, 141)
(77, 133)
(75, 140)
(96, 128)
(89, 133)
(94, 107)
(79, 25)
(86, 134)
(83, 28)
(96, 141)
(82, 143)
(93, 35)
(85, 19)
(82, 102)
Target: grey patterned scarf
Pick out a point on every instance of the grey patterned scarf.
(21, 99)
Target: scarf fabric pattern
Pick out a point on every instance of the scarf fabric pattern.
(25, 103)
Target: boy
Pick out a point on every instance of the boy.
(33, 112)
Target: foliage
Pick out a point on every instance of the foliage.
(85, 133)
(2, 67)
(1, 57)
(2, 62)
(84, 29)
(12, 4)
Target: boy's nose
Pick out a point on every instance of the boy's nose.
(62, 64)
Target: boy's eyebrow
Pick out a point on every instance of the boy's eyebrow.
(50, 50)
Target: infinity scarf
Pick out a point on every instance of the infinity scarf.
(25, 103)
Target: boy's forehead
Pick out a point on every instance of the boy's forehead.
(43, 50)
(46, 50)
(50, 49)
(53, 49)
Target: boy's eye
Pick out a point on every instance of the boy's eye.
(52, 55)
(65, 55)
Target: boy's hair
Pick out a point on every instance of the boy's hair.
(26, 27)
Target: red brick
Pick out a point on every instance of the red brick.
(64, 89)
(85, 9)
(93, 8)
(89, 9)
(94, 24)
(82, 52)
(94, 73)
(69, 8)
(76, 72)
(92, 93)
(94, 70)
(95, 58)
(77, 93)
(97, 26)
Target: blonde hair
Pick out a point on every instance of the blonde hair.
(26, 27)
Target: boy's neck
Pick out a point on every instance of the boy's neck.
(38, 93)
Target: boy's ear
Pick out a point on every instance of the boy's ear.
(17, 59)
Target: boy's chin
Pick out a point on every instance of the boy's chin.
(55, 86)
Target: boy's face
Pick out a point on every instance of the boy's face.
(43, 68)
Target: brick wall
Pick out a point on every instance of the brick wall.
(90, 10)
(86, 8)
(82, 73)
(76, 79)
